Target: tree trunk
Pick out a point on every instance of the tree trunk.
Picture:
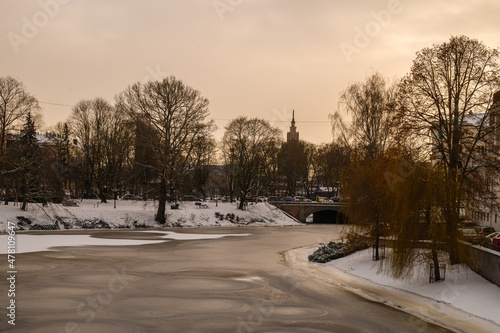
(242, 202)
(162, 200)
(231, 188)
(452, 220)
(377, 237)
(103, 197)
(434, 243)
(435, 260)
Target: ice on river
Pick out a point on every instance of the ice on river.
(35, 243)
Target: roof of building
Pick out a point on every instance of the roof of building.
(474, 119)
(45, 138)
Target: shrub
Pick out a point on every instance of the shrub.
(334, 250)
(328, 252)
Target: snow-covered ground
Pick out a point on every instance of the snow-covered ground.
(131, 214)
(463, 288)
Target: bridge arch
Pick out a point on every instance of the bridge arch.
(322, 212)
(328, 215)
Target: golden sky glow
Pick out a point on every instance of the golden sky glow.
(254, 57)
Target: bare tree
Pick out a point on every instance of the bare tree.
(446, 108)
(369, 204)
(15, 104)
(231, 171)
(103, 133)
(177, 116)
(331, 160)
(250, 144)
(81, 125)
(367, 139)
(369, 105)
(416, 219)
(204, 160)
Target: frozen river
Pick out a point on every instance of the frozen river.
(187, 282)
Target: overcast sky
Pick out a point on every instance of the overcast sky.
(253, 58)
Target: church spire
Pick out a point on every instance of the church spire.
(293, 135)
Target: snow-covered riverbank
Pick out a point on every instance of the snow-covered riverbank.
(464, 302)
(137, 214)
(463, 288)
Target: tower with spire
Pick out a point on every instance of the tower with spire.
(293, 135)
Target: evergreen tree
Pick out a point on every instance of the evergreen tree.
(29, 163)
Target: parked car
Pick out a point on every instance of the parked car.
(302, 199)
(323, 199)
(495, 234)
(471, 235)
(467, 224)
(485, 230)
(191, 198)
(493, 240)
(257, 199)
(335, 199)
(286, 199)
(495, 243)
(131, 197)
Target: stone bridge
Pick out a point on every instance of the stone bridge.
(323, 212)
